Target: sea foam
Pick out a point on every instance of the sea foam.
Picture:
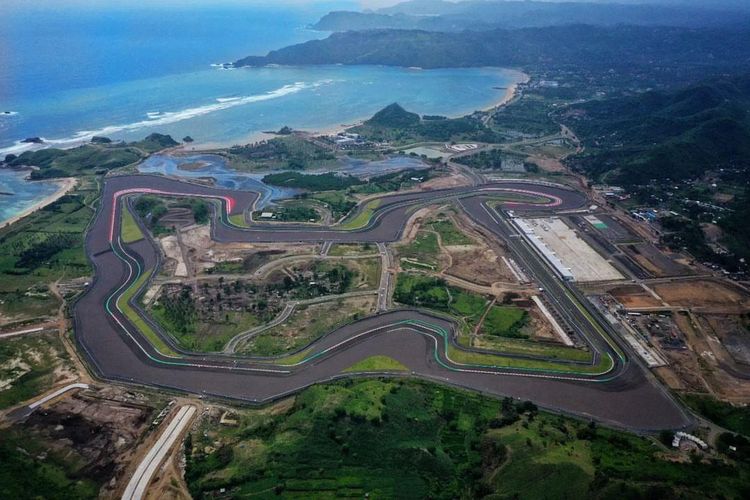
(157, 119)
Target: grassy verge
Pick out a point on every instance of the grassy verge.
(123, 304)
(352, 249)
(130, 231)
(527, 348)
(499, 361)
(377, 364)
(238, 220)
(363, 217)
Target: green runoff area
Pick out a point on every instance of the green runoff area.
(123, 304)
(469, 309)
(399, 438)
(378, 364)
(130, 231)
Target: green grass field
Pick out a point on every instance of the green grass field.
(407, 439)
(433, 293)
(377, 364)
(123, 303)
(130, 231)
(423, 249)
(42, 248)
(363, 217)
(238, 220)
(527, 347)
(449, 233)
(499, 361)
(505, 321)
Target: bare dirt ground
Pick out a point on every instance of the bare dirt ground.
(98, 429)
(547, 164)
(169, 483)
(701, 368)
(633, 296)
(732, 331)
(443, 182)
(541, 330)
(704, 295)
(479, 264)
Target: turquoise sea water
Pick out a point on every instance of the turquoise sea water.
(230, 106)
(70, 74)
(17, 194)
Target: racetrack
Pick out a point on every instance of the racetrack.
(617, 391)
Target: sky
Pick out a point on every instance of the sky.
(369, 4)
(355, 4)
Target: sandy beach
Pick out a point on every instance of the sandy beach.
(65, 186)
(510, 92)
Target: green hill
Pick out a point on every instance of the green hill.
(393, 116)
(395, 124)
(664, 135)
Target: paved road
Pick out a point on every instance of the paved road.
(136, 488)
(24, 411)
(623, 396)
(385, 277)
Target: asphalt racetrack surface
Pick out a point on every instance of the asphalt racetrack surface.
(624, 395)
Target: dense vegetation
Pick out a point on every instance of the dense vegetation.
(96, 158)
(621, 47)
(288, 152)
(151, 209)
(476, 15)
(41, 248)
(665, 135)
(394, 123)
(391, 439)
(734, 418)
(434, 293)
(313, 182)
(23, 475)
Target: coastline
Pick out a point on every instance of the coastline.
(511, 91)
(518, 76)
(65, 186)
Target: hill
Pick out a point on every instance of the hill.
(399, 126)
(393, 116)
(665, 135)
(482, 15)
(574, 45)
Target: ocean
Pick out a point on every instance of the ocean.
(67, 75)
